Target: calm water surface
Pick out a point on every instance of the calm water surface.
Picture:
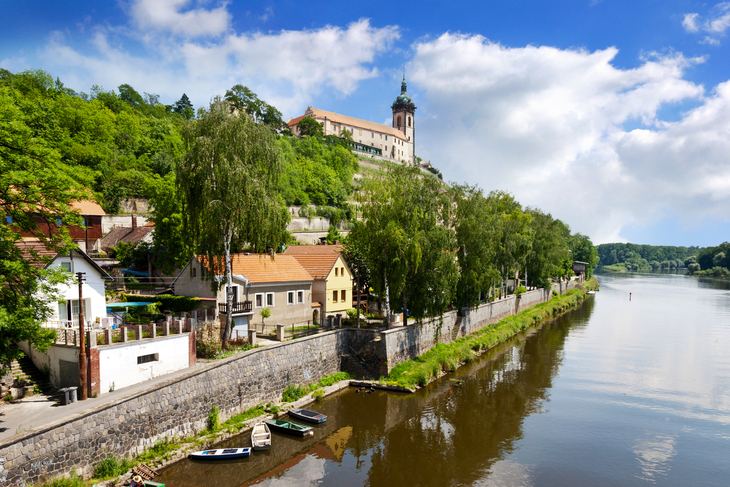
(619, 392)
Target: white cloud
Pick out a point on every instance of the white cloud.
(285, 68)
(168, 15)
(548, 125)
(690, 22)
(715, 25)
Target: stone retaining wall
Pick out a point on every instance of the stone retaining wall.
(179, 407)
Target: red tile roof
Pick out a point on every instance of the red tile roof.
(261, 268)
(318, 260)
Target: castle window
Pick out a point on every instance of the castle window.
(372, 135)
(409, 121)
(386, 137)
(399, 120)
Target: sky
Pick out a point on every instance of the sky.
(613, 116)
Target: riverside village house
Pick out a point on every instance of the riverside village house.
(332, 287)
(277, 282)
(118, 356)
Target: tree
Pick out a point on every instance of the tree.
(309, 127)
(513, 236)
(170, 249)
(184, 107)
(408, 246)
(225, 185)
(548, 251)
(583, 250)
(33, 183)
(346, 134)
(476, 237)
(243, 100)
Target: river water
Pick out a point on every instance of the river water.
(617, 393)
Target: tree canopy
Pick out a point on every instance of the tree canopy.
(224, 183)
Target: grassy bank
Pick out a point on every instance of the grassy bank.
(175, 448)
(447, 357)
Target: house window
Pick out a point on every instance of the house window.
(269, 299)
(300, 297)
(372, 135)
(386, 137)
(143, 359)
(83, 222)
(343, 295)
(9, 219)
(342, 271)
(334, 296)
(59, 222)
(336, 271)
(67, 266)
(195, 272)
(259, 298)
(290, 297)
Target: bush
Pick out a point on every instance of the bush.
(520, 289)
(167, 302)
(112, 467)
(214, 418)
(74, 481)
(293, 392)
(318, 394)
(204, 349)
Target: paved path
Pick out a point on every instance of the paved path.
(36, 411)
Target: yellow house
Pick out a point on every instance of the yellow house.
(332, 286)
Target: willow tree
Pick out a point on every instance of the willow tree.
(226, 183)
(408, 248)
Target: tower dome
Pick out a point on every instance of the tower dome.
(403, 98)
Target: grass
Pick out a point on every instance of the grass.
(74, 481)
(160, 450)
(294, 392)
(111, 467)
(447, 357)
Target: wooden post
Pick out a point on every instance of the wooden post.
(82, 352)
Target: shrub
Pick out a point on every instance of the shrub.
(214, 418)
(74, 481)
(275, 409)
(168, 302)
(112, 467)
(293, 392)
(318, 394)
(520, 289)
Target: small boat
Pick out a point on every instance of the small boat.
(307, 415)
(221, 453)
(590, 292)
(260, 437)
(289, 427)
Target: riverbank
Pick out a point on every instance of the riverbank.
(444, 358)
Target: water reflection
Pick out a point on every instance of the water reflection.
(618, 392)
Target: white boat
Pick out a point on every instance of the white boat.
(221, 454)
(260, 436)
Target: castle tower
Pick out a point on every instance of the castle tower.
(404, 118)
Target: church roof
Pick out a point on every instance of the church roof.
(316, 113)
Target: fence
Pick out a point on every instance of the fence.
(122, 334)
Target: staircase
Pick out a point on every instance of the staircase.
(28, 379)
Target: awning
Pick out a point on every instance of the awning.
(316, 304)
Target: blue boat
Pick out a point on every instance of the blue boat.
(221, 454)
(307, 415)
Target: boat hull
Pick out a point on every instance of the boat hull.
(289, 427)
(307, 415)
(260, 437)
(221, 454)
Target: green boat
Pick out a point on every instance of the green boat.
(289, 427)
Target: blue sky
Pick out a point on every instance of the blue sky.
(613, 116)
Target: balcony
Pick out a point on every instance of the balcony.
(239, 307)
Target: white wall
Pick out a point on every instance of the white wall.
(118, 363)
(51, 359)
(93, 288)
(111, 221)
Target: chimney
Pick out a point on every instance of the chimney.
(134, 222)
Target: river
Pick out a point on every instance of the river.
(628, 392)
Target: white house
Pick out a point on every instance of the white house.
(66, 313)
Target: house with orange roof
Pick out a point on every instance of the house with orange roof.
(87, 235)
(277, 282)
(332, 286)
(395, 142)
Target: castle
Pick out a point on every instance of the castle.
(395, 143)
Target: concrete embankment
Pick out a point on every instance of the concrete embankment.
(180, 407)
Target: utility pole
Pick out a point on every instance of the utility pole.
(82, 339)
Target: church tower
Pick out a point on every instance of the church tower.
(404, 118)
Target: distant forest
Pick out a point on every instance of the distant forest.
(634, 257)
